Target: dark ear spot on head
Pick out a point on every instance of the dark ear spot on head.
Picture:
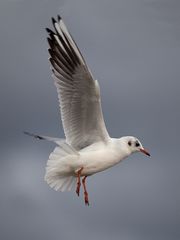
(129, 143)
(137, 144)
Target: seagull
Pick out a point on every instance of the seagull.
(87, 148)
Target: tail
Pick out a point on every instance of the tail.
(58, 175)
(58, 172)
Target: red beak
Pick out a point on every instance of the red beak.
(145, 152)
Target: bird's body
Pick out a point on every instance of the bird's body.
(100, 156)
(88, 148)
(94, 158)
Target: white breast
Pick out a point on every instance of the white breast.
(99, 157)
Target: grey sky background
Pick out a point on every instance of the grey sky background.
(133, 49)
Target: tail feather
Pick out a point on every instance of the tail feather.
(57, 175)
(61, 184)
(66, 184)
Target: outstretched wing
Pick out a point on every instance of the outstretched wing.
(78, 92)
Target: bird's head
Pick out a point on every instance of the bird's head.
(134, 145)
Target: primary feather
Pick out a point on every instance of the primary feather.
(78, 92)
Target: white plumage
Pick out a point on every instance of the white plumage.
(87, 149)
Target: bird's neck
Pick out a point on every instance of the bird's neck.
(121, 148)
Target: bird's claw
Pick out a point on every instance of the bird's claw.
(78, 188)
(86, 200)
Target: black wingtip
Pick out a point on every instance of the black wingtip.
(53, 20)
(50, 52)
(27, 133)
(33, 135)
(59, 18)
(49, 41)
(48, 30)
(51, 61)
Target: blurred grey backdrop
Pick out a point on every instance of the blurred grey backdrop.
(133, 49)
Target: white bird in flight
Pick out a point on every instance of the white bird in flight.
(88, 148)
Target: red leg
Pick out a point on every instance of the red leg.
(78, 181)
(85, 191)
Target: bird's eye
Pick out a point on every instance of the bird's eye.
(129, 143)
(137, 144)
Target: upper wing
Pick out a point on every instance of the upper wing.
(78, 92)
